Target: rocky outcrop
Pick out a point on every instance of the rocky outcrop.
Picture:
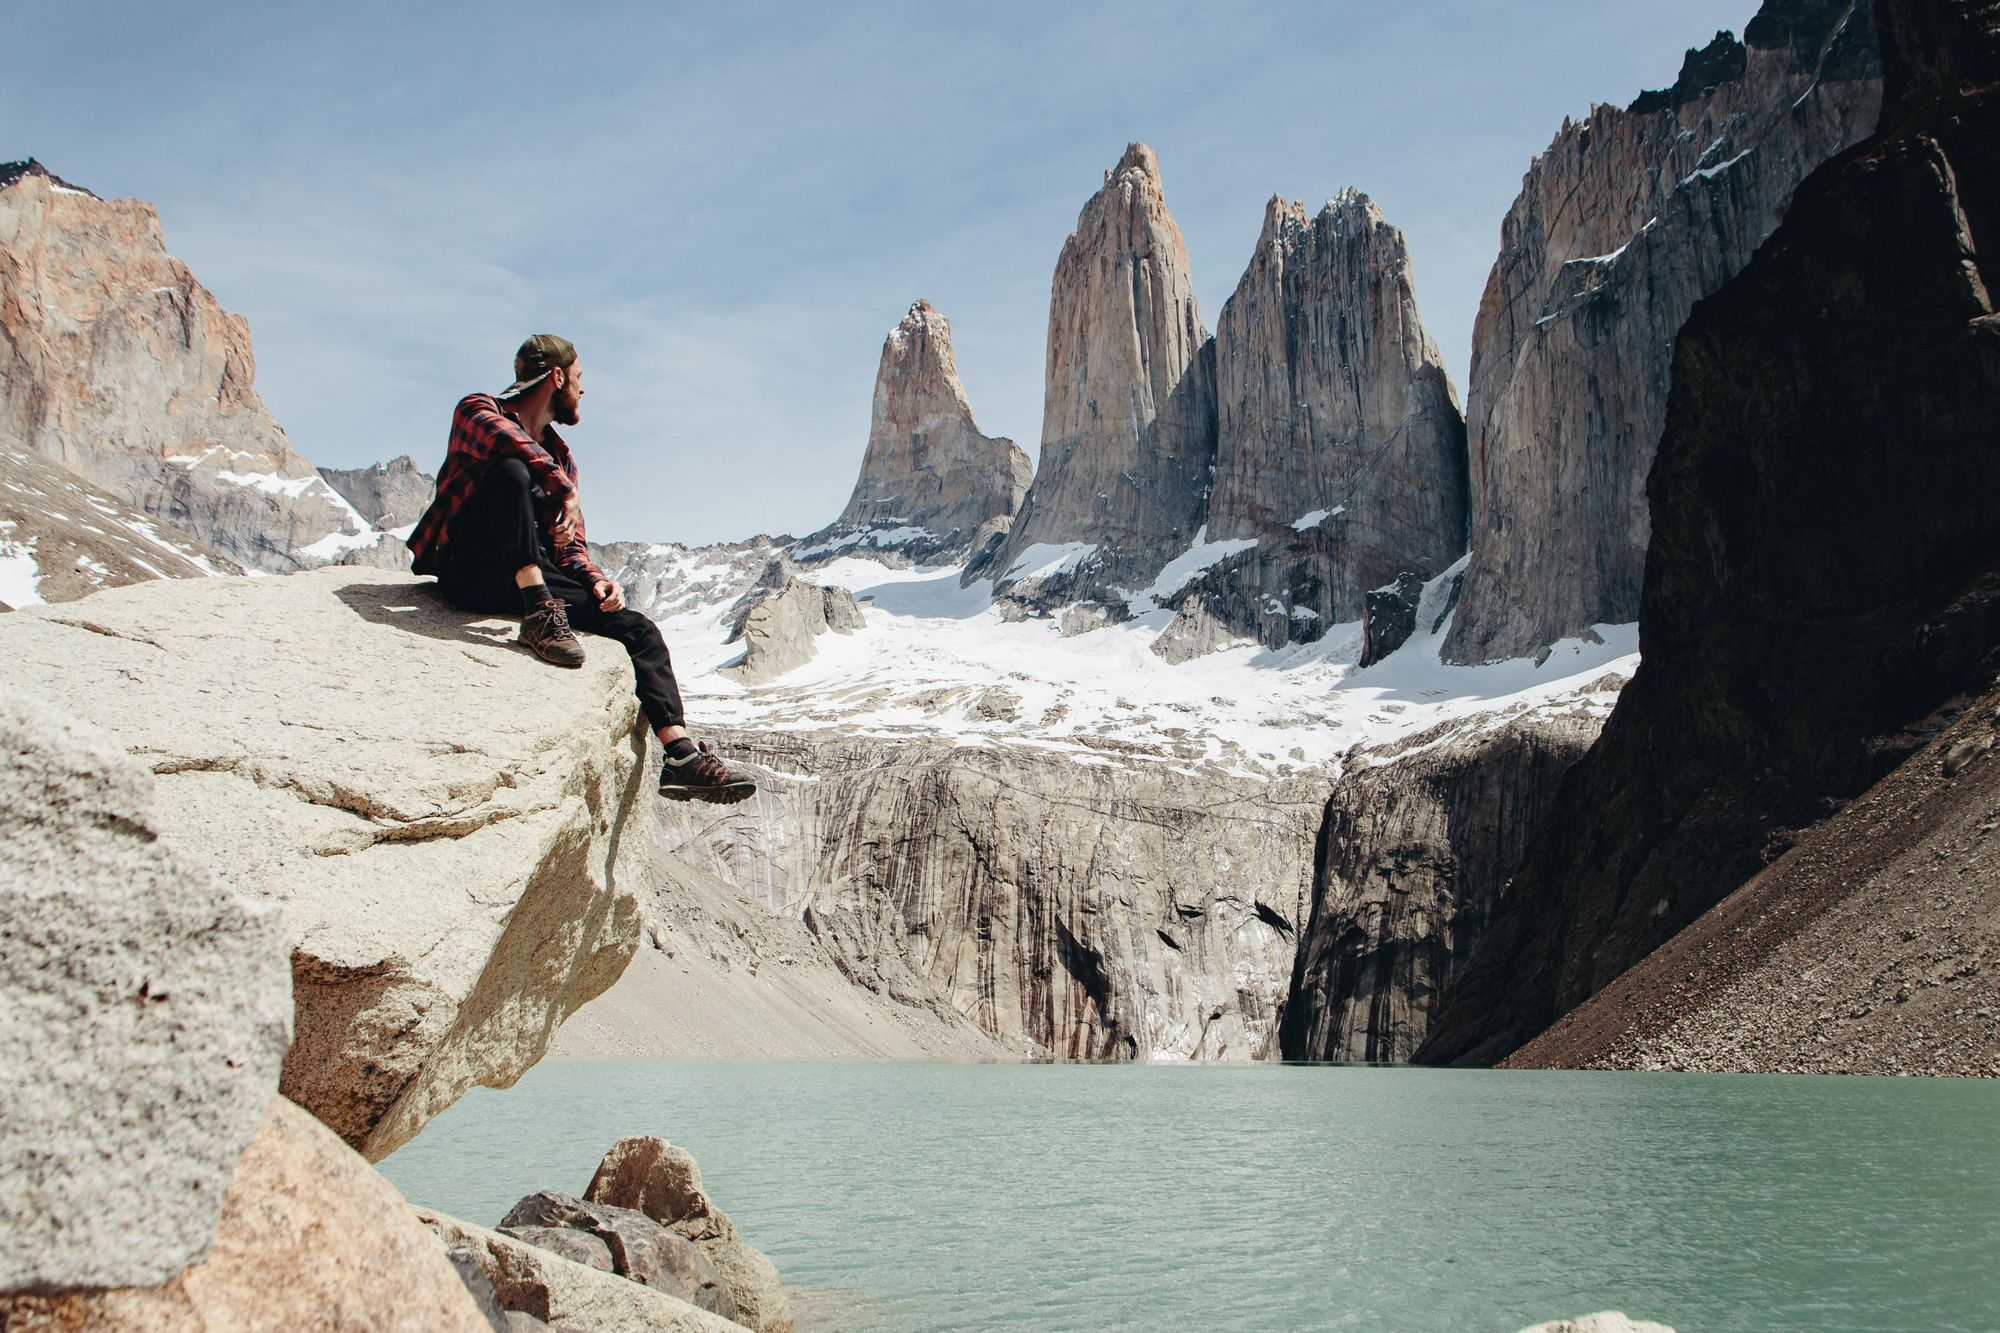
(1413, 855)
(930, 481)
(1128, 414)
(62, 538)
(311, 1237)
(144, 1009)
(1823, 575)
(1630, 217)
(1389, 618)
(444, 816)
(659, 1181)
(1861, 950)
(637, 1247)
(1340, 448)
(777, 621)
(391, 495)
(1094, 907)
(547, 1286)
(117, 364)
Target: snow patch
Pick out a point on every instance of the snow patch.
(1045, 559)
(20, 576)
(1181, 570)
(1307, 521)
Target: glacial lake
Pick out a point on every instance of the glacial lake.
(908, 1197)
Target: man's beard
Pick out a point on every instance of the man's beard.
(563, 411)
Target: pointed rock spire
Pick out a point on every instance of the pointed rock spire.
(1128, 412)
(928, 466)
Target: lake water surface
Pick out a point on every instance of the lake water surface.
(936, 1196)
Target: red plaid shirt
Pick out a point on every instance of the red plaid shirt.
(481, 431)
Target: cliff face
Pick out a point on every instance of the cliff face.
(1128, 414)
(1096, 910)
(1822, 578)
(1340, 450)
(930, 482)
(1629, 218)
(1413, 855)
(62, 538)
(117, 364)
(391, 495)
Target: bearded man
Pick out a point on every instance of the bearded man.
(505, 534)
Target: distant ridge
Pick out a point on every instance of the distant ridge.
(14, 171)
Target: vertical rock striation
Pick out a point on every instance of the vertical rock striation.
(1128, 413)
(1340, 449)
(931, 484)
(1413, 854)
(1629, 218)
(116, 363)
(1823, 583)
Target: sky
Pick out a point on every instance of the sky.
(726, 206)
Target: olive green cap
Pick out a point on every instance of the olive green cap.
(538, 356)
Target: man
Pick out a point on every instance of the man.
(505, 533)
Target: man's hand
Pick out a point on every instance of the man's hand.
(610, 597)
(564, 526)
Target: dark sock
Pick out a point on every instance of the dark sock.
(681, 751)
(534, 595)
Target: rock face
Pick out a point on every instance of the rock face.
(1630, 217)
(1412, 858)
(1128, 414)
(1340, 448)
(778, 620)
(391, 495)
(444, 816)
(1823, 573)
(62, 538)
(662, 1182)
(1094, 909)
(1859, 951)
(568, 1294)
(311, 1237)
(117, 364)
(144, 1008)
(930, 482)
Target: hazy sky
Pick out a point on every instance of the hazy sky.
(726, 206)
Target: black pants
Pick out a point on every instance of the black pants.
(496, 533)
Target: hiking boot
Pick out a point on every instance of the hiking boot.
(545, 632)
(702, 776)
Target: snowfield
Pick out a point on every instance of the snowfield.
(939, 661)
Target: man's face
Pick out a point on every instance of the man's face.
(568, 396)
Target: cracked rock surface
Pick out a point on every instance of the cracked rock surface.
(442, 813)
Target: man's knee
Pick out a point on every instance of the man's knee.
(508, 474)
(637, 629)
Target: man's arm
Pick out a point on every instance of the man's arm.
(481, 432)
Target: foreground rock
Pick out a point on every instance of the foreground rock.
(634, 1245)
(560, 1291)
(1864, 949)
(311, 1238)
(444, 816)
(1604, 1321)
(118, 364)
(1414, 854)
(1340, 449)
(930, 482)
(1631, 216)
(62, 538)
(144, 1009)
(1128, 416)
(662, 1182)
(1824, 575)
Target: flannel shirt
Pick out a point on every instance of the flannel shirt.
(482, 431)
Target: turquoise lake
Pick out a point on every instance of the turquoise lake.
(958, 1197)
